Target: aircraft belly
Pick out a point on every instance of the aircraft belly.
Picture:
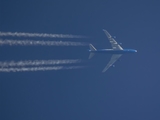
(110, 52)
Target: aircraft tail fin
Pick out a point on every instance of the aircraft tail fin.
(92, 48)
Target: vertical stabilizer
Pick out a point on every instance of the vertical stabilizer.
(92, 48)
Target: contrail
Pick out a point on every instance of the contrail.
(25, 69)
(44, 35)
(38, 62)
(41, 43)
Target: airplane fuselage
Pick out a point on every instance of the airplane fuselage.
(111, 51)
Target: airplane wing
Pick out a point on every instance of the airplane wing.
(113, 42)
(114, 58)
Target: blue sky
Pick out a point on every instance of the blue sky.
(128, 91)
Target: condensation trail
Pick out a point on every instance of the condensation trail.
(44, 35)
(25, 69)
(38, 62)
(41, 43)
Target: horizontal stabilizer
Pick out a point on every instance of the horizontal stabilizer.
(92, 48)
(91, 55)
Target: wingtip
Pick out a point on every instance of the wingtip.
(103, 71)
(105, 31)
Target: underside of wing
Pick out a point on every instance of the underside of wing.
(113, 42)
(114, 58)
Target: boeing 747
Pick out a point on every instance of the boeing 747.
(117, 51)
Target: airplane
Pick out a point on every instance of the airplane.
(117, 51)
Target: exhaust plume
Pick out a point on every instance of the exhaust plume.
(44, 35)
(40, 43)
(25, 69)
(38, 63)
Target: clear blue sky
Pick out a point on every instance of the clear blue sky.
(130, 91)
